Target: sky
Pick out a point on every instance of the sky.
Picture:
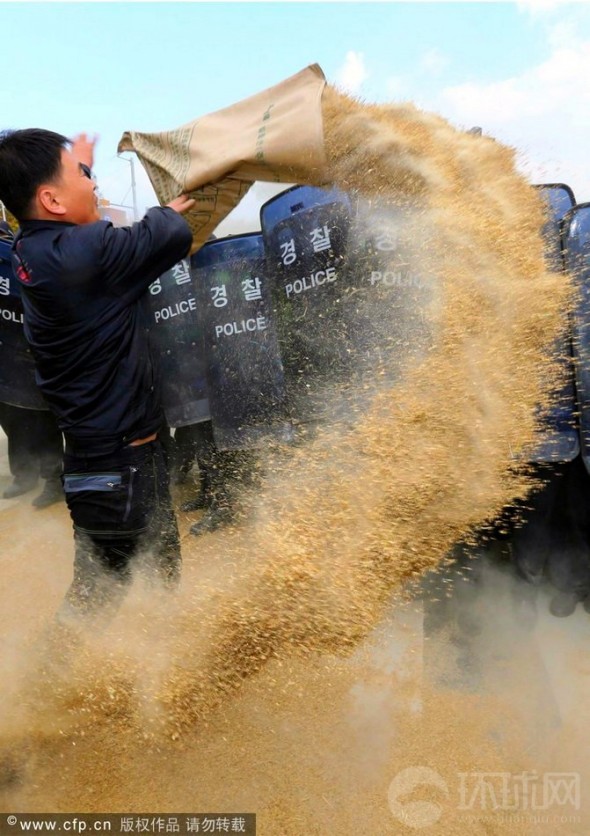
(519, 70)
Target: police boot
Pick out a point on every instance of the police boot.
(204, 499)
(52, 492)
(195, 504)
(216, 517)
(563, 604)
(19, 486)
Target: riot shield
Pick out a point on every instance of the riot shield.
(349, 297)
(560, 441)
(244, 368)
(392, 288)
(305, 232)
(559, 199)
(177, 339)
(577, 255)
(17, 367)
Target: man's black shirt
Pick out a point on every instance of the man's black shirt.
(86, 320)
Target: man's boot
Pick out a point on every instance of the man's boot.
(52, 492)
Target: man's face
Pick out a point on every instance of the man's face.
(76, 191)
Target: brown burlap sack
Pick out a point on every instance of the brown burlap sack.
(275, 136)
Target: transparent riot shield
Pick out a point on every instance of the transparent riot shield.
(244, 369)
(17, 368)
(177, 338)
(560, 441)
(577, 255)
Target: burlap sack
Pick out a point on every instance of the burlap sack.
(275, 136)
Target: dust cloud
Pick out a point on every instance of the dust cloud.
(295, 674)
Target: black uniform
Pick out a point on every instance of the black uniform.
(35, 448)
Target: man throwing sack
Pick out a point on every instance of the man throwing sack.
(83, 287)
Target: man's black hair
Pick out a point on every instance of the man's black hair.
(28, 158)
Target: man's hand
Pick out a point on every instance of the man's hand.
(83, 148)
(182, 203)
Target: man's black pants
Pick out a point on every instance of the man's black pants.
(121, 509)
